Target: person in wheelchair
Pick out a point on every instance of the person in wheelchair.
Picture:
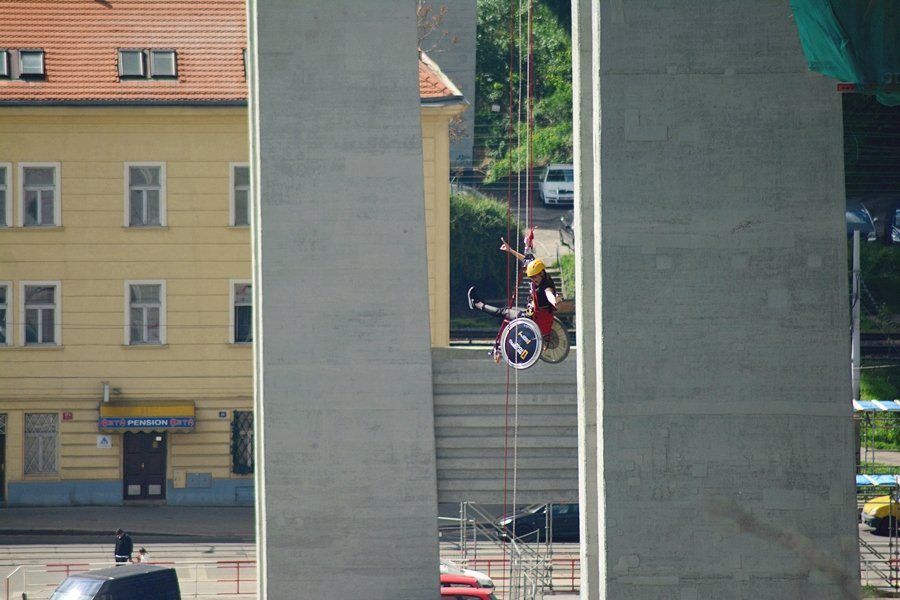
(543, 295)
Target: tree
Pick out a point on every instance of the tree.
(501, 92)
(476, 226)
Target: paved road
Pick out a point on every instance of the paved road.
(212, 548)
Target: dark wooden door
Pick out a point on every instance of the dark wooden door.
(144, 466)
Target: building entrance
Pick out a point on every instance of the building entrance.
(144, 465)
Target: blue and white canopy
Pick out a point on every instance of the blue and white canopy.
(876, 405)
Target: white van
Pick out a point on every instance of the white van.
(557, 185)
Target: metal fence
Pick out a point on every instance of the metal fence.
(198, 580)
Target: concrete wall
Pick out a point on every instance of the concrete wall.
(726, 445)
(346, 489)
(452, 46)
(502, 434)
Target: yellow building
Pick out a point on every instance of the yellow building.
(125, 305)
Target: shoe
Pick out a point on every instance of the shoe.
(472, 297)
(495, 354)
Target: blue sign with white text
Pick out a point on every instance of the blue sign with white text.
(147, 422)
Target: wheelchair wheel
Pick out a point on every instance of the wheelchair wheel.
(557, 348)
(521, 343)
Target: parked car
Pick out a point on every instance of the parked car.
(448, 567)
(858, 217)
(449, 593)
(459, 581)
(567, 230)
(532, 524)
(881, 513)
(129, 582)
(557, 185)
(892, 226)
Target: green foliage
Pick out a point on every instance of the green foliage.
(553, 144)
(880, 270)
(882, 384)
(567, 274)
(476, 226)
(501, 104)
(870, 591)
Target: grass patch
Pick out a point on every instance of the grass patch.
(566, 266)
(878, 469)
(870, 591)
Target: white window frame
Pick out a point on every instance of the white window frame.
(156, 64)
(121, 63)
(4, 64)
(162, 193)
(7, 325)
(162, 312)
(57, 199)
(8, 195)
(36, 52)
(57, 317)
(232, 216)
(231, 303)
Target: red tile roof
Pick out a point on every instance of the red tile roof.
(433, 84)
(81, 39)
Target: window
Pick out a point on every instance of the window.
(242, 442)
(31, 64)
(134, 62)
(41, 443)
(246, 64)
(162, 63)
(41, 309)
(146, 320)
(131, 63)
(4, 64)
(5, 336)
(5, 205)
(242, 312)
(40, 194)
(145, 202)
(240, 195)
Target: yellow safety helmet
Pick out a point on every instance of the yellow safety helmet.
(535, 267)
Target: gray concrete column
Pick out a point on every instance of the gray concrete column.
(586, 307)
(452, 45)
(724, 426)
(346, 490)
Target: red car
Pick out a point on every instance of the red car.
(459, 581)
(451, 593)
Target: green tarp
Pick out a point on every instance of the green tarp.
(854, 41)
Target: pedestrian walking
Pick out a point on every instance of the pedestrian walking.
(124, 548)
(142, 556)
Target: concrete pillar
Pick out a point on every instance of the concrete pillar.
(452, 45)
(346, 490)
(723, 403)
(587, 300)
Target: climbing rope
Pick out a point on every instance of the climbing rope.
(518, 86)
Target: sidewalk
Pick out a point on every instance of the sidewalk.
(219, 523)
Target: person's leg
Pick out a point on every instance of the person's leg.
(476, 303)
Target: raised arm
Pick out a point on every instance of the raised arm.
(505, 247)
